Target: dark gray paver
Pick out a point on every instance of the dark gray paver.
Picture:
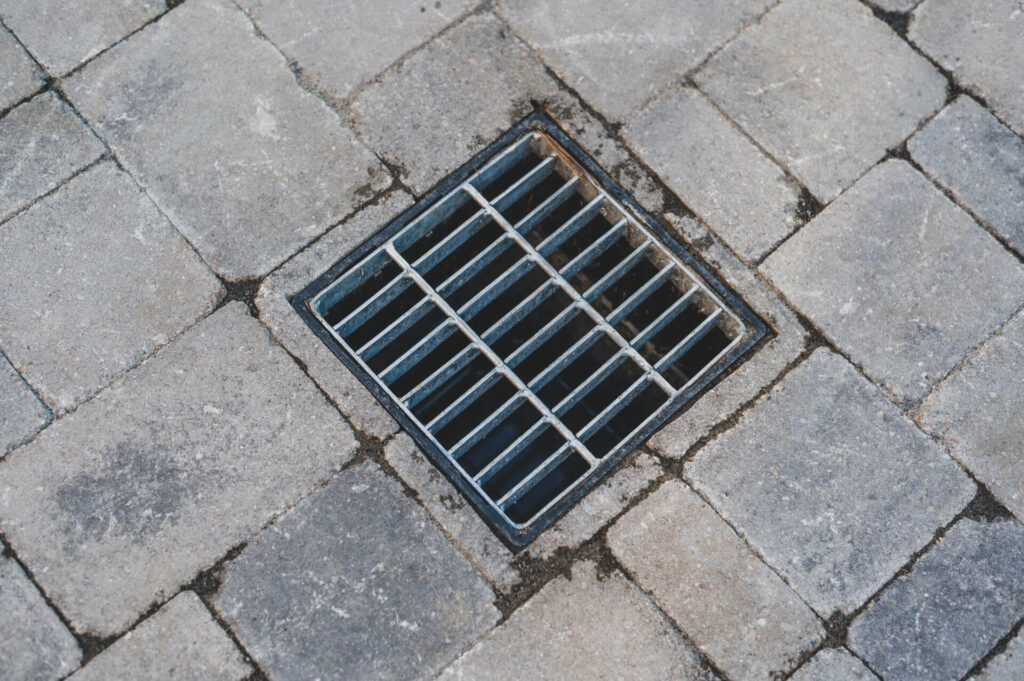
(117, 504)
(834, 664)
(825, 87)
(1007, 665)
(830, 483)
(94, 280)
(563, 633)
(981, 161)
(181, 641)
(900, 278)
(21, 412)
(19, 75)
(247, 165)
(34, 644)
(727, 601)
(356, 583)
(42, 143)
(959, 599)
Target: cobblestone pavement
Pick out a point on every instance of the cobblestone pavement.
(193, 487)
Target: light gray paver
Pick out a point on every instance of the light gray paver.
(563, 632)
(117, 504)
(825, 87)
(34, 644)
(19, 76)
(834, 664)
(728, 602)
(95, 279)
(959, 599)
(900, 278)
(619, 54)
(247, 165)
(42, 143)
(181, 641)
(981, 161)
(21, 412)
(356, 583)
(1007, 665)
(832, 485)
(895, 5)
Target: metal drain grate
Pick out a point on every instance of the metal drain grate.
(526, 327)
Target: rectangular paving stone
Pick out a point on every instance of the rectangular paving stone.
(830, 483)
(248, 165)
(42, 143)
(116, 505)
(981, 161)
(21, 412)
(19, 75)
(900, 278)
(833, 664)
(357, 582)
(956, 603)
(1007, 665)
(825, 87)
(95, 279)
(730, 604)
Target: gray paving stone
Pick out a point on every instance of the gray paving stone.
(895, 5)
(21, 412)
(618, 55)
(830, 483)
(834, 664)
(181, 641)
(457, 94)
(34, 644)
(1007, 665)
(959, 599)
(900, 278)
(979, 42)
(42, 143)
(825, 87)
(717, 171)
(976, 412)
(981, 161)
(19, 75)
(563, 633)
(247, 165)
(116, 505)
(739, 612)
(356, 583)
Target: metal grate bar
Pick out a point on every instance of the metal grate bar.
(570, 227)
(464, 400)
(527, 182)
(359, 274)
(548, 206)
(542, 335)
(442, 374)
(432, 218)
(397, 369)
(487, 424)
(372, 306)
(501, 163)
(444, 248)
(474, 266)
(395, 329)
(595, 249)
(496, 288)
(629, 304)
(565, 359)
(617, 405)
(510, 452)
(519, 312)
(617, 272)
(664, 318)
(538, 474)
(584, 388)
(691, 339)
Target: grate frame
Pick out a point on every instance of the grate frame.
(518, 535)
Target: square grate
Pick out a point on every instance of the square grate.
(529, 324)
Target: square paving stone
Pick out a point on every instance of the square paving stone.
(1007, 665)
(730, 604)
(830, 483)
(357, 582)
(587, 627)
(95, 279)
(19, 75)
(900, 278)
(956, 603)
(825, 87)
(21, 412)
(209, 118)
(116, 505)
(834, 664)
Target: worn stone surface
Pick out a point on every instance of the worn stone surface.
(117, 504)
(181, 641)
(21, 412)
(19, 76)
(356, 583)
(34, 644)
(834, 664)
(895, 5)
(1007, 665)
(739, 612)
(959, 599)
(248, 165)
(981, 161)
(42, 143)
(825, 87)
(900, 278)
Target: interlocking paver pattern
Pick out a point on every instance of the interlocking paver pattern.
(19, 75)
(21, 412)
(834, 664)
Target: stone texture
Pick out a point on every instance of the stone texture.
(739, 612)
(563, 633)
(834, 664)
(717, 171)
(618, 55)
(21, 412)
(356, 583)
(1007, 665)
(959, 599)
(981, 161)
(181, 641)
(34, 644)
(977, 413)
(95, 280)
(248, 165)
(979, 42)
(117, 504)
(42, 143)
(825, 87)
(895, 5)
(900, 278)
(19, 76)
